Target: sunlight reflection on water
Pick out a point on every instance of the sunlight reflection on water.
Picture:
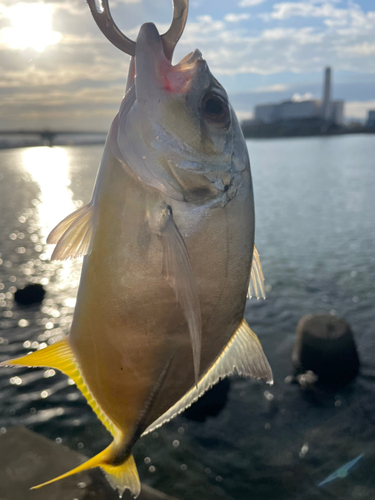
(49, 167)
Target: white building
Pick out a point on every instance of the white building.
(287, 110)
(337, 112)
(328, 110)
(266, 113)
(290, 110)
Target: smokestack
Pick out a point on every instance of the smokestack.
(326, 102)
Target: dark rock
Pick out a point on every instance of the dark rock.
(325, 346)
(31, 294)
(210, 404)
(28, 459)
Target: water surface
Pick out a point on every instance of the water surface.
(315, 206)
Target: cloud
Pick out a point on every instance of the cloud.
(285, 10)
(85, 72)
(338, 39)
(232, 51)
(61, 66)
(204, 25)
(235, 18)
(277, 87)
(307, 96)
(363, 49)
(90, 108)
(303, 36)
(250, 3)
(358, 109)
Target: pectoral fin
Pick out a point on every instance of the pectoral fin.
(256, 285)
(73, 234)
(243, 354)
(178, 272)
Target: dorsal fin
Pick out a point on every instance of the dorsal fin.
(73, 234)
(61, 357)
(256, 284)
(243, 354)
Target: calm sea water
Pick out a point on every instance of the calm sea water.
(315, 207)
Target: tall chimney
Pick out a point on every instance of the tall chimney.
(326, 102)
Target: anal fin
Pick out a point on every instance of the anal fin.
(61, 357)
(73, 234)
(243, 354)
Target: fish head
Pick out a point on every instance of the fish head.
(176, 128)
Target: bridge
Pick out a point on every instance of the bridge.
(48, 136)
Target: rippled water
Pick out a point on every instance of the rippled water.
(315, 206)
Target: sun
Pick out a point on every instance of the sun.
(31, 27)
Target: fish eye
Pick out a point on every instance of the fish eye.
(216, 110)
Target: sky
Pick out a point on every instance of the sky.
(57, 70)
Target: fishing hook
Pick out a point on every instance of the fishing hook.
(107, 26)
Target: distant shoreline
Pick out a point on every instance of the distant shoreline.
(299, 128)
(256, 131)
(16, 143)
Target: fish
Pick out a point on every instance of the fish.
(342, 472)
(168, 254)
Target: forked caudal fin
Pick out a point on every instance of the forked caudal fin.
(123, 476)
(61, 357)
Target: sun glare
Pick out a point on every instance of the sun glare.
(31, 27)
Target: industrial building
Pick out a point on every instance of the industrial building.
(326, 109)
(371, 118)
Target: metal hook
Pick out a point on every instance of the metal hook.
(107, 26)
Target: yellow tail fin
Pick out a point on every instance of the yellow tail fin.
(123, 476)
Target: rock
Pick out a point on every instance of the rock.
(28, 459)
(31, 294)
(325, 346)
(210, 404)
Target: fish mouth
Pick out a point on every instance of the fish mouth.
(179, 77)
(154, 68)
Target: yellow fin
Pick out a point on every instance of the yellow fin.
(256, 284)
(123, 476)
(61, 357)
(73, 234)
(243, 354)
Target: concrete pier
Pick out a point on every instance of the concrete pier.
(28, 459)
(325, 345)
